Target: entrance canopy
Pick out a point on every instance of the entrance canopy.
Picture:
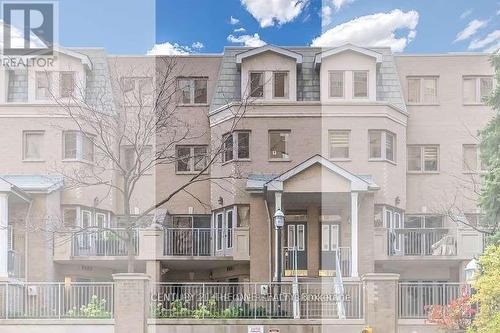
(315, 175)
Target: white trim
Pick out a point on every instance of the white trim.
(344, 48)
(354, 234)
(269, 48)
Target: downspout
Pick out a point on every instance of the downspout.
(269, 242)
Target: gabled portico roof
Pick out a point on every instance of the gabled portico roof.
(9, 188)
(347, 47)
(34, 183)
(269, 48)
(359, 183)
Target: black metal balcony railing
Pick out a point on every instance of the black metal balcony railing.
(198, 241)
(104, 243)
(422, 242)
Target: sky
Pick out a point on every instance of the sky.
(206, 26)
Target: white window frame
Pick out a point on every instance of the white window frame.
(263, 73)
(191, 161)
(229, 232)
(421, 95)
(50, 84)
(383, 146)
(477, 98)
(330, 84)
(301, 242)
(330, 133)
(104, 220)
(367, 84)
(287, 134)
(192, 91)
(61, 88)
(286, 85)
(236, 146)
(80, 156)
(479, 164)
(422, 159)
(40, 133)
(85, 212)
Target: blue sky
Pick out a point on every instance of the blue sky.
(183, 26)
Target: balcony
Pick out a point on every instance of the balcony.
(110, 243)
(427, 243)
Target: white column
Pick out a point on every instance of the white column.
(277, 255)
(4, 235)
(354, 234)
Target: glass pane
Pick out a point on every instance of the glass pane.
(200, 91)
(185, 86)
(485, 86)
(200, 158)
(70, 145)
(32, 145)
(414, 159)
(278, 145)
(229, 226)
(413, 221)
(301, 238)
(88, 148)
(433, 221)
(430, 158)
(430, 90)
(280, 84)
(146, 90)
(413, 90)
(291, 236)
(42, 85)
(375, 144)
(337, 84)
(67, 84)
(256, 84)
(243, 145)
(469, 90)
(360, 84)
(389, 147)
(334, 239)
(470, 158)
(339, 144)
(325, 237)
(183, 154)
(228, 148)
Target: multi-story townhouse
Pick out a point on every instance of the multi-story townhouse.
(347, 142)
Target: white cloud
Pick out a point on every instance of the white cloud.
(271, 12)
(169, 49)
(234, 20)
(247, 40)
(326, 15)
(491, 39)
(470, 30)
(239, 30)
(340, 3)
(465, 14)
(498, 12)
(372, 30)
(197, 45)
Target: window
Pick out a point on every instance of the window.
(339, 143)
(278, 145)
(382, 145)
(423, 158)
(32, 145)
(257, 84)
(472, 159)
(78, 146)
(360, 84)
(475, 89)
(336, 79)
(236, 146)
(423, 221)
(137, 90)
(130, 157)
(193, 90)
(422, 90)
(43, 85)
(191, 158)
(280, 85)
(18, 85)
(67, 83)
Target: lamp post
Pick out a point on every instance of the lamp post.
(471, 271)
(279, 221)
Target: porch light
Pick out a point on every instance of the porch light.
(279, 219)
(471, 271)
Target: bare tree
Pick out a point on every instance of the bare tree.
(129, 131)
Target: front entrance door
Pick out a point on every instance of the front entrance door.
(329, 247)
(295, 251)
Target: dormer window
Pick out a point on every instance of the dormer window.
(257, 84)
(67, 84)
(280, 84)
(360, 84)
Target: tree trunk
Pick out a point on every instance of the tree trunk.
(130, 251)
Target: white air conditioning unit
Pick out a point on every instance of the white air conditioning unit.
(32, 291)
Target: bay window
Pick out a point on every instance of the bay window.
(236, 146)
(382, 145)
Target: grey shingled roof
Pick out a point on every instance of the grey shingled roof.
(228, 87)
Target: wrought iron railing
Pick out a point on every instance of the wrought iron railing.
(415, 298)
(255, 300)
(198, 241)
(422, 242)
(56, 300)
(112, 242)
